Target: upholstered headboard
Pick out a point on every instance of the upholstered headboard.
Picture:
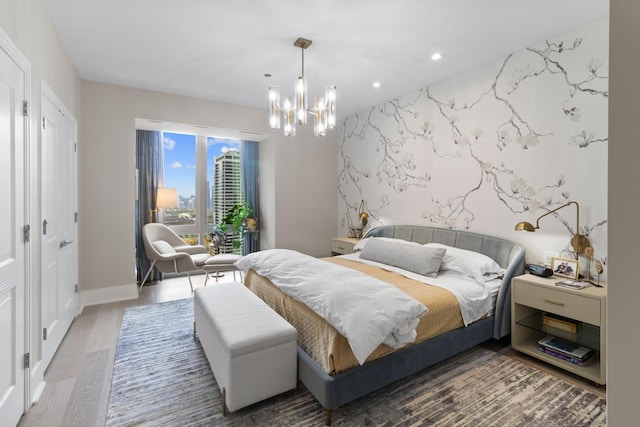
(507, 254)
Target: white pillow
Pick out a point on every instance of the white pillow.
(416, 258)
(473, 264)
(363, 242)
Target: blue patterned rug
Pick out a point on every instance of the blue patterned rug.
(161, 377)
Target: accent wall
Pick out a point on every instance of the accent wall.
(485, 149)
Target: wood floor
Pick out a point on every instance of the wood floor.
(78, 379)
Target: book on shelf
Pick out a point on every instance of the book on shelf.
(575, 361)
(562, 323)
(566, 347)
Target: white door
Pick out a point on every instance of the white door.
(12, 243)
(59, 226)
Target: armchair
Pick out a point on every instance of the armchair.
(170, 254)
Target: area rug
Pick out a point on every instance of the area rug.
(161, 377)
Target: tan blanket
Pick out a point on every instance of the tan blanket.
(327, 346)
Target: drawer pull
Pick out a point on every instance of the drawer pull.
(341, 248)
(550, 301)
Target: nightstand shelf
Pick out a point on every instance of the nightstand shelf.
(533, 297)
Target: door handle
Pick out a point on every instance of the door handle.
(65, 243)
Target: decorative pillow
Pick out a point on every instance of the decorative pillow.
(416, 258)
(473, 264)
(163, 247)
(363, 242)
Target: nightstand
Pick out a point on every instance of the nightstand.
(342, 245)
(534, 298)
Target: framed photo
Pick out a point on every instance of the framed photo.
(354, 232)
(564, 267)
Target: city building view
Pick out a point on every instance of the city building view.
(222, 183)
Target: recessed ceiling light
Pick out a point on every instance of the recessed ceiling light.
(436, 56)
(376, 85)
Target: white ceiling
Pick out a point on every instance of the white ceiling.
(220, 50)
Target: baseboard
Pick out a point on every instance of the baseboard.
(107, 295)
(35, 396)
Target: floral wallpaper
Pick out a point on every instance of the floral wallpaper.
(487, 148)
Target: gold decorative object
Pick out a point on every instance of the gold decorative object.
(578, 241)
(588, 252)
(599, 270)
(251, 224)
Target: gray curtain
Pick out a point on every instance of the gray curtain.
(249, 171)
(149, 162)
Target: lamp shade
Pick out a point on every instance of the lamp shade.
(525, 226)
(167, 198)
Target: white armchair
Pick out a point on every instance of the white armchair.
(170, 254)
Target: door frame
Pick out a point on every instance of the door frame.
(46, 93)
(7, 45)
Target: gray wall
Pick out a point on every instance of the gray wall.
(623, 293)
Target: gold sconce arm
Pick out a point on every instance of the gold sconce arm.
(578, 241)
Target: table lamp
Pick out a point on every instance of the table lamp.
(166, 198)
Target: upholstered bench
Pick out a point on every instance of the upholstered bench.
(251, 349)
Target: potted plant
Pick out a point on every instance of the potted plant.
(236, 218)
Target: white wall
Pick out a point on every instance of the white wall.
(29, 27)
(623, 292)
(289, 182)
(305, 189)
(485, 149)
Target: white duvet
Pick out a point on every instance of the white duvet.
(365, 310)
(476, 300)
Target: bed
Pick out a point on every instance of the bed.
(336, 382)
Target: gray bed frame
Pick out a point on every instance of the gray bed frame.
(333, 391)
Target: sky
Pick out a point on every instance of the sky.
(180, 160)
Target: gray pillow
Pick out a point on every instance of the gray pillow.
(418, 259)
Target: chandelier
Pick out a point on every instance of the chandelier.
(294, 110)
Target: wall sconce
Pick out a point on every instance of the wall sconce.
(166, 198)
(578, 241)
(364, 217)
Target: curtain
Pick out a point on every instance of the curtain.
(249, 172)
(149, 163)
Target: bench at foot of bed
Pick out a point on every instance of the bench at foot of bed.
(251, 349)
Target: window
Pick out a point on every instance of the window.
(206, 172)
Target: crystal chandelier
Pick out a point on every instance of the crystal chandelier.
(294, 110)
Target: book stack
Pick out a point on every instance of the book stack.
(565, 350)
(573, 284)
(562, 323)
